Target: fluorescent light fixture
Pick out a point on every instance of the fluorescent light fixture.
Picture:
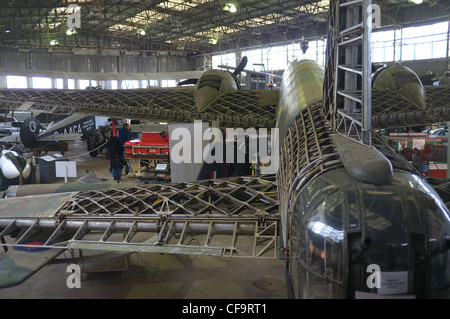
(230, 7)
(213, 41)
(70, 31)
(416, 1)
(141, 31)
(54, 42)
(7, 31)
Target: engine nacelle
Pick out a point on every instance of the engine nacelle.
(11, 163)
(401, 80)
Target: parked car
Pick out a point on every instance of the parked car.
(439, 133)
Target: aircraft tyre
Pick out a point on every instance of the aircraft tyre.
(92, 146)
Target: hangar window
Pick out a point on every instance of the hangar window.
(386, 46)
(151, 83)
(255, 59)
(16, 82)
(275, 57)
(83, 84)
(59, 83)
(411, 43)
(425, 42)
(316, 51)
(71, 84)
(406, 44)
(168, 83)
(41, 82)
(130, 84)
(223, 59)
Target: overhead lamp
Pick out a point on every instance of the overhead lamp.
(416, 1)
(7, 31)
(54, 42)
(71, 31)
(230, 7)
(141, 32)
(213, 41)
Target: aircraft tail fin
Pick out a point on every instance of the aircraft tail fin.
(29, 131)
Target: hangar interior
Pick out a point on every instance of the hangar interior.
(175, 36)
(138, 44)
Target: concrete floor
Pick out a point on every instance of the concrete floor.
(154, 276)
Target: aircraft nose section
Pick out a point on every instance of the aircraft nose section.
(339, 227)
(204, 97)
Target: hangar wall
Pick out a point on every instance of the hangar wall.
(90, 60)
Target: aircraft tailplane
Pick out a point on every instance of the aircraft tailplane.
(29, 131)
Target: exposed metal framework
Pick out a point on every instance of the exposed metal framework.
(245, 108)
(391, 110)
(171, 25)
(180, 218)
(353, 83)
(249, 108)
(307, 150)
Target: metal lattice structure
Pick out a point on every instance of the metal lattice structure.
(169, 25)
(184, 218)
(239, 196)
(172, 25)
(390, 110)
(353, 83)
(244, 108)
(307, 150)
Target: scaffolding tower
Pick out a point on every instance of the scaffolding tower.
(349, 86)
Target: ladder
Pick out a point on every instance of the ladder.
(353, 84)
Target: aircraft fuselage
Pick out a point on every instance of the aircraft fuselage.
(344, 237)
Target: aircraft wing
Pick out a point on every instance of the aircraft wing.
(10, 139)
(390, 110)
(59, 137)
(55, 138)
(18, 264)
(236, 217)
(240, 108)
(274, 76)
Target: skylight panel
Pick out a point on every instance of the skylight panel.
(314, 8)
(55, 18)
(181, 5)
(148, 16)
